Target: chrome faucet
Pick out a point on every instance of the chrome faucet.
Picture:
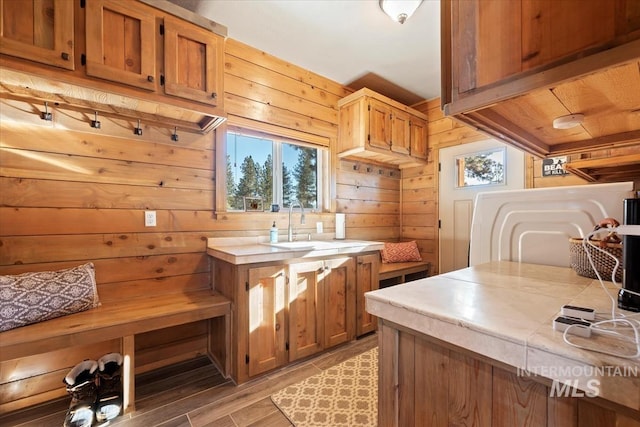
(301, 217)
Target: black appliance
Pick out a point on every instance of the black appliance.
(630, 259)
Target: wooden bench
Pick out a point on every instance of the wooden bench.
(122, 320)
(401, 270)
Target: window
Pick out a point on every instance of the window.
(269, 170)
(483, 168)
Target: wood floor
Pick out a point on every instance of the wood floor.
(194, 394)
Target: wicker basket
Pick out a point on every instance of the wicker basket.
(604, 263)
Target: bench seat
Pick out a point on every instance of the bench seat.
(121, 320)
(401, 269)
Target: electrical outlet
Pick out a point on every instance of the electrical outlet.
(319, 228)
(149, 218)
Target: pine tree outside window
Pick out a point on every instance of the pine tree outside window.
(276, 170)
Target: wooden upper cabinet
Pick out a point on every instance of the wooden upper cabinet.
(509, 68)
(379, 129)
(121, 42)
(374, 127)
(193, 62)
(400, 132)
(38, 30)
(418, 138)
(493, 40)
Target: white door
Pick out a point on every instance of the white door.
(466, 170)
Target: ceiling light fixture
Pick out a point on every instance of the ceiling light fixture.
(399, 10)
(568, 122)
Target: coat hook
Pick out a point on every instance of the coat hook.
(137, 130)
(46, 115)
(174, 135)
(95, 123)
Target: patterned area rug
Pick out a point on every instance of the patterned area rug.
(343, 395)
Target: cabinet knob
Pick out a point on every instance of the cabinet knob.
(150, 79)
(214, 95)
(277, 326)
(65, 56)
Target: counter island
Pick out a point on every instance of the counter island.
(476, 347)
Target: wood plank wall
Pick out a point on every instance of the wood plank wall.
(419, 217)
(419, 185)
(71, 194)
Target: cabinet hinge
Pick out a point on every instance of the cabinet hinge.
(369, 107)
(439, 224)
(246, 359)
(286, 346)
(83, 59)
(162, 29)
(246, 286)
(83, 4)
(161, 80)
(439, 167)
(369, 137)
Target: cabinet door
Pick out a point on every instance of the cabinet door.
(267, 319)
(418, 136)
(338, 285)
(38, 30)
(367, 267)
(121, 44)
(379, 124)
(400, 133)
(306, 302)
(192, 62)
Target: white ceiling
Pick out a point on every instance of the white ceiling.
(343, 40)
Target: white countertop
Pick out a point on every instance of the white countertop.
(504, 310)
(254, 250)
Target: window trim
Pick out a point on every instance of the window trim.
(266, 130)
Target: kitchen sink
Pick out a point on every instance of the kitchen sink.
(304, 244)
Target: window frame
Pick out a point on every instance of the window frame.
(268, 131)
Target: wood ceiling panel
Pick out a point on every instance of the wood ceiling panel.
(610, 100)
(534, 112)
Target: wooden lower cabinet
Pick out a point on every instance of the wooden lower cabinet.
(291, 310)
(367, 268)
(425, 382)
(265, 305)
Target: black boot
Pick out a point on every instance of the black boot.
(81, 385)
(109, 403)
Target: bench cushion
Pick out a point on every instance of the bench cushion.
(400, 252)
(34, 297)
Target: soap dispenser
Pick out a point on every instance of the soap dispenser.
(273, 233)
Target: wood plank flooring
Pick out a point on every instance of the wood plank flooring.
(194, 394)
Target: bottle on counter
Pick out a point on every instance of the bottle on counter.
(273, 233)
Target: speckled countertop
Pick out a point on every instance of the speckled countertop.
(505, 310)
(254, 250)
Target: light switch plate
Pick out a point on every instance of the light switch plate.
(149, 218)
